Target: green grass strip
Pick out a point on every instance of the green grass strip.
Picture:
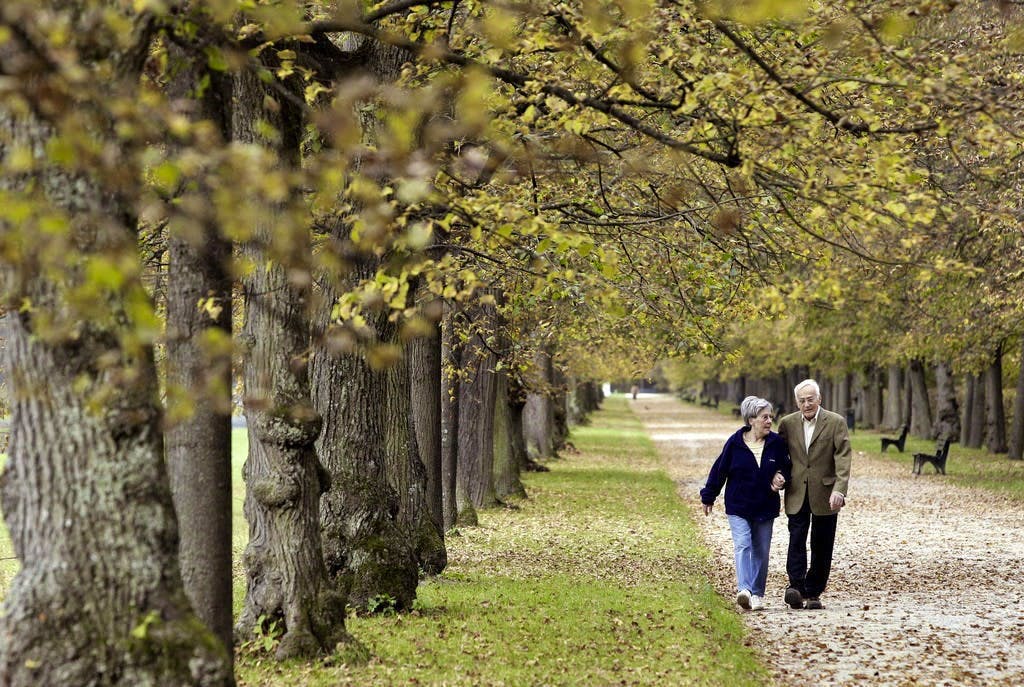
(598, 578)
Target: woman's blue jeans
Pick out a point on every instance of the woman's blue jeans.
(751, 542)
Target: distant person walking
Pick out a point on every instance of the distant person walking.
(753, 466)
(819, 447)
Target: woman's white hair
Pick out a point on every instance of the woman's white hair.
(751, 407)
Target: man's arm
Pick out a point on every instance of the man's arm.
(843, 457)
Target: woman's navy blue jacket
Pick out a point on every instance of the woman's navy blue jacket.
(748, 488)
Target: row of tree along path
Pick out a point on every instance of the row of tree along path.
(925, 588)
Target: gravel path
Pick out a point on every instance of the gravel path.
(927, 584)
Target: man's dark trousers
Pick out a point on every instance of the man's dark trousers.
(810, 581)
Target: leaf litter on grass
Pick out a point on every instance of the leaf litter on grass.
(594, 579)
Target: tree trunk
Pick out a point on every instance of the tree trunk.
(995, 416)
(921, 415)
(560, 408)
(872, 397)
(425, 374)
(286, 580)
(827, 398)
(509, 448)
(968, 411)
(1017, 433)
(976, 431)
(947, 411)
(908, 399)
(477, 398)
(539, 416)
(844, 395)
(98, 598)
(405, 469)
(893, 416)
(365, 544)
(199, 378)
(451, 353)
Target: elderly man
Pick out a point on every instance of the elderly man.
(819, 447)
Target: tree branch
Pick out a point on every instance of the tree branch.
(838, 121)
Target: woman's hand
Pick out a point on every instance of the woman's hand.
(707, 508)
(778, 481)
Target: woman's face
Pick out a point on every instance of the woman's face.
(762, 422)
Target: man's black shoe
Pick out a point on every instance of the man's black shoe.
(794, 598)
(814, 604)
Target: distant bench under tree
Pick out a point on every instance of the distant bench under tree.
(938, 459)
(898, 443)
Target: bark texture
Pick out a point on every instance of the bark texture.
(509, 447)
(539, 414)
(98, 599)
(199, 321)
(425, 391)
(286, 580)
(366, 548)
(407, 473)
(477, 399)
(451, 352)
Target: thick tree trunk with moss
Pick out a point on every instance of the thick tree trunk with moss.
(286, 580)
(995, 416)
(367, 548)
(98, 599)
(199, 381)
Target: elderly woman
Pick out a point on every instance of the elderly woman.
(753, 467)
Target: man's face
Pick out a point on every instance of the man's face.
(808, 401)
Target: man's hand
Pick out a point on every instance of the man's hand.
(836, 501)
(778, 481)
(707, 508)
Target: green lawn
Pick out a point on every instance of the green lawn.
(595, 579)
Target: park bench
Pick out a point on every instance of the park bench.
(938, 459)
(898, 443)
(709, 403)
(736, 412)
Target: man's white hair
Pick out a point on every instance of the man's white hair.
(807, 382)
